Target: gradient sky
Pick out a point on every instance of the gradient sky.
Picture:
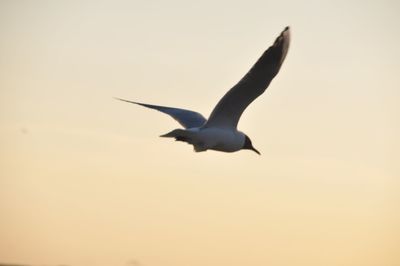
(85, 180)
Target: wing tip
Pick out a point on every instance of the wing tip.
(123, 100)
(284, 37)
(119, 99)
(286, 33)
(282, 42)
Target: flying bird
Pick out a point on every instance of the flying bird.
(219, 132)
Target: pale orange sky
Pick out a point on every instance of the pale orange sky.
(85, 180)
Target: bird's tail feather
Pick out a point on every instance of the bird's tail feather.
(186, 136)
(179, 135)
(174, 133)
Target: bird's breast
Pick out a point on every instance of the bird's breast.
(221, 139)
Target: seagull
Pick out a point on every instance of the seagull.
(219, 132)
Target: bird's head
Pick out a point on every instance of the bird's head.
(249, 146)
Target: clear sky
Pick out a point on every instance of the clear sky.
(85, 180)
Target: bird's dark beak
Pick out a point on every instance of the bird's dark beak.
(255, 150)
(249, 146)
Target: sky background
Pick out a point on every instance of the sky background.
(85, 180)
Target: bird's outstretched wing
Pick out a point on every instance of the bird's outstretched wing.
(229, 109)
(187, 118)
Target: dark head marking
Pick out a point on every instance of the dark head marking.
(249, 146)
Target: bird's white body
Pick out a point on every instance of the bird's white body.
(210, 138)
